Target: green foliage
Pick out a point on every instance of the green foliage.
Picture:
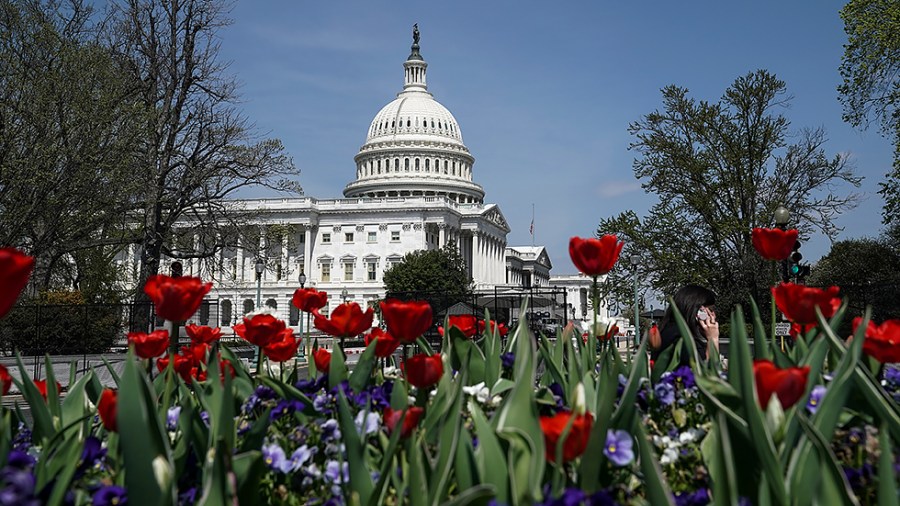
(61, 323)
(439, 276)
(870, 90)
(868, 272)
(720, 169)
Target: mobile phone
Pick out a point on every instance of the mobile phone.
(702, 314)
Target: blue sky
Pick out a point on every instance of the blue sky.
(543, 91)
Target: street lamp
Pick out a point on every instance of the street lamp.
(302, 280)
(260, 267)
(635, 261)
(782, 218)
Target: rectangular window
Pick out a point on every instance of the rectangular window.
(326, 273)
(348, 236)
(395, 235)
(348, 272)
(326, 238)
(373, 237)
(370, 271)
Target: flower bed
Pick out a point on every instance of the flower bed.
(472, 423)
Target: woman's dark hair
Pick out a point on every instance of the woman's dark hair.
(688, 300)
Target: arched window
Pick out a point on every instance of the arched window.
(406, 164)
(225, 312)
(272, 303)
(427, 167)
(408, 123)
(446, 164)
(248, 306)
(203, 315)
(396, 164)
(417, 164)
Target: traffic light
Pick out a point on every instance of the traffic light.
(804, 272)
(177, 269)
(794, 268)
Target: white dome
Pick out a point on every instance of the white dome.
(414, 147)
(414, 116)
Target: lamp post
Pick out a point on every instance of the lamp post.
(635, 261)
(260, 266)
(782, 217)
(302, 280)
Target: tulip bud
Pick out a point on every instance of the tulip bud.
(579, 403)
(162, 471)
(775, 419)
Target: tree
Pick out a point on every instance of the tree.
(439, 276)
(68, 130)
(868, 273)
(199, 149)
(870, 90)
(720, 169)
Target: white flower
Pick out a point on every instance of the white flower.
(669, 455)
(391, 372)
(479, 391)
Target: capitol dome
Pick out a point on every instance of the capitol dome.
(414, 147)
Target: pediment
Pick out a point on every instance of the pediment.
(496, 217)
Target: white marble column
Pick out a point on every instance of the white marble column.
(263, 254)
(239, 254)
(285, 258)
(307, 252)
(442, 234)
(476, 248)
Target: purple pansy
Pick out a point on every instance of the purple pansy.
(110, 495)
(815, 398)
(664, 393)
(618, 447)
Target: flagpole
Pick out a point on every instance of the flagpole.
(532, 224)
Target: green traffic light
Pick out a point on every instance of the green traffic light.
(795, 269)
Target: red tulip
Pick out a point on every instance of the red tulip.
(15, 269)
(346, 320)
(261, 329)
(182, 365)
(203, 334)
(502, 329)
(774, 243)
(282, 349)
(386, 344)
(466, 323)
(309, 299)
(576, 440)
(800, 330)
(423, 371)
(196, 353)
(799, 302)
(391, 417)
(149, 345)
(882, 341)
(176, 299)
(5, 379)
(595, 257)
(406, 320)
(789, 384)
(108, 408)
(42, 387)
(322, 359)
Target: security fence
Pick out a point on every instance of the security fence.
(77, 329)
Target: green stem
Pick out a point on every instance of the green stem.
(259, 362)
(772, 301)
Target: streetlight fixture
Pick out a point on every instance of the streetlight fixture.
(260, 267)
(302, 280)
(782, 218)
(635, 262)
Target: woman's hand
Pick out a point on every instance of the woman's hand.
(710, 329)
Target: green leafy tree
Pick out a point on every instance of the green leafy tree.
(439, 276)
(870, 91)
(198, 149)
(69, 127)
(868, 273)
(720, 169)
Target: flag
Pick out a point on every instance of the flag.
(531, 229)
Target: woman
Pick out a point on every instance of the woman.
(696, 305)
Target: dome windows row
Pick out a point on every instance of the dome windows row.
(429, 125)
(455, 197)
(387, 166)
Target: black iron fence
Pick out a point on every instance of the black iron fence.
(543, 309)
(76, 329)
